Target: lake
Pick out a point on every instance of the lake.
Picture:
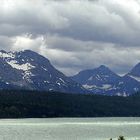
(69, 129)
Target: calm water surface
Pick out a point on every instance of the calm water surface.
(70, 129)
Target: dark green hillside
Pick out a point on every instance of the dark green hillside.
(21, 104)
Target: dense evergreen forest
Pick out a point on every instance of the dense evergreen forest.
(23, 104)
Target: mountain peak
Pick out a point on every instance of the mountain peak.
(100, 77)
(135, 71)
(32, 71)
(3, 51)
(137, 66)
(103, 68)
(28, 51)
(23, 51)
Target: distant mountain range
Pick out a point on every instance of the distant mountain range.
(103, 81)
(29, 70)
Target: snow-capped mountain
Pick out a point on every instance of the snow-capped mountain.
(29, 70)
(102, 80)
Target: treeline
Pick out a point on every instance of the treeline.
(120, 138)
(33, 104)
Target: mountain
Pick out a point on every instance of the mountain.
(135, 73)
(31, 71)
(102, 80)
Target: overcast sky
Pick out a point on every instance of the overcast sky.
(74, 34)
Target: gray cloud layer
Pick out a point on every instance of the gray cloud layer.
(74, 34)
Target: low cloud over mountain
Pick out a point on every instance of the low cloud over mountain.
(87, 33)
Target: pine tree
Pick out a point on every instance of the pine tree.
(121, 138)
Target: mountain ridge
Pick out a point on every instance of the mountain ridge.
(104, 81)
(28, 70)
(32, 71)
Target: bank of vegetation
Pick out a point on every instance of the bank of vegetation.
(120, 138)
(33, 104)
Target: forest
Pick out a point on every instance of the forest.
(34, 104)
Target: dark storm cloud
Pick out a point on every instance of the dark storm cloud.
(86, 32)
(82, 20)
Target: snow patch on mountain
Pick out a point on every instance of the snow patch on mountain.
(62, 80)
(136, 89)
(27, 76)
(121, 83)
(4, 54)
(89, 87)
(135, 77)
(24, 67)
(106, 86)
(44, 69)
(90, 78)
